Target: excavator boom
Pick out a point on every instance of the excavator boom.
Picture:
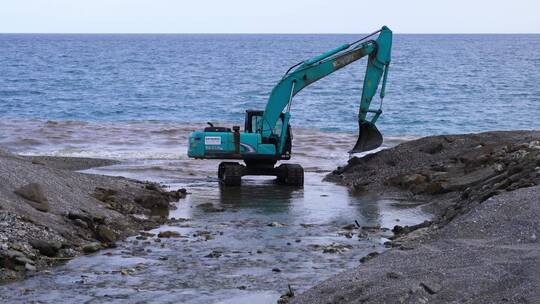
(321, 66)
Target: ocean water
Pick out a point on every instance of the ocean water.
(437, 84)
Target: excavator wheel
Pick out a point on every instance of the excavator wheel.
(291, 175)
(230, 173)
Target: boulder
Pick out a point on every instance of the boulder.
(169, 234)
(151, 201)
(45, 247)
(106, 234)
(91, 247)
(34, 196)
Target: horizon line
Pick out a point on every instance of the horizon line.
(251, 33)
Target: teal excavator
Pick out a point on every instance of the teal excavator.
(267, 135)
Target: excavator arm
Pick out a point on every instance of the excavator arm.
(305, 73)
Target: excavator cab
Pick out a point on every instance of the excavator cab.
(254, 121)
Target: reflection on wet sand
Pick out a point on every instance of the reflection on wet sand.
(268, 197)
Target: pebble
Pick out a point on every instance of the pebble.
(214, 254)
(276, 224)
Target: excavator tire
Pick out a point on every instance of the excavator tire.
(230, 173)
(291, 175)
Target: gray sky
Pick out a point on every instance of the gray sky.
(275, 16)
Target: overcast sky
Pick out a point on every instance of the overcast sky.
(275, 16)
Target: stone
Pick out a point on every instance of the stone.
(436, 187)
(151, 186)
(412, 179)
(80, 223)
(151, 201)
(11, 254)
(349, 227)
(169, 234)
(23, 260)
(147, 234)
(29, 267)
(104, 195)
(431, 287)
(336, 248)
(34, 195)
(79, 216)
(393, 275)
(276, 270)
(369, 256)
(214, 254)
(45, 247)
(276, 224)
(106, 234)
(91, 247)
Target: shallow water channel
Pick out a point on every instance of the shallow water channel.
(247, 248)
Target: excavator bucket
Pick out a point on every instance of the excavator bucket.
(369, 138)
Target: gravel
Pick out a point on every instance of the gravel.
(482, 245)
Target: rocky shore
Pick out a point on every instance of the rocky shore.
(49, 213)
(482, 245)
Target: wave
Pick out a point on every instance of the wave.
(149, 139)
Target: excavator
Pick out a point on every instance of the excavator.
(267, 135)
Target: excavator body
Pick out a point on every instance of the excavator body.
(267, 135)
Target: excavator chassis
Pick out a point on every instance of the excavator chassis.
(230, 173)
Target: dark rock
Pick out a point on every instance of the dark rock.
(284, 298)
(349, 227)
(276, 270)
(214, 254)
(151, 201)
(48, 248)
(151, 186)
(34, 195)
(147, 234)
(79, 216)
(106, 234)
(104, 195)
(368, 257)
(393, 275)
(178, 194)
(397, 229)
(431, 287)
(169, 234)
(276, 224)
(91, 247)
(436, 187)
(80, 223)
